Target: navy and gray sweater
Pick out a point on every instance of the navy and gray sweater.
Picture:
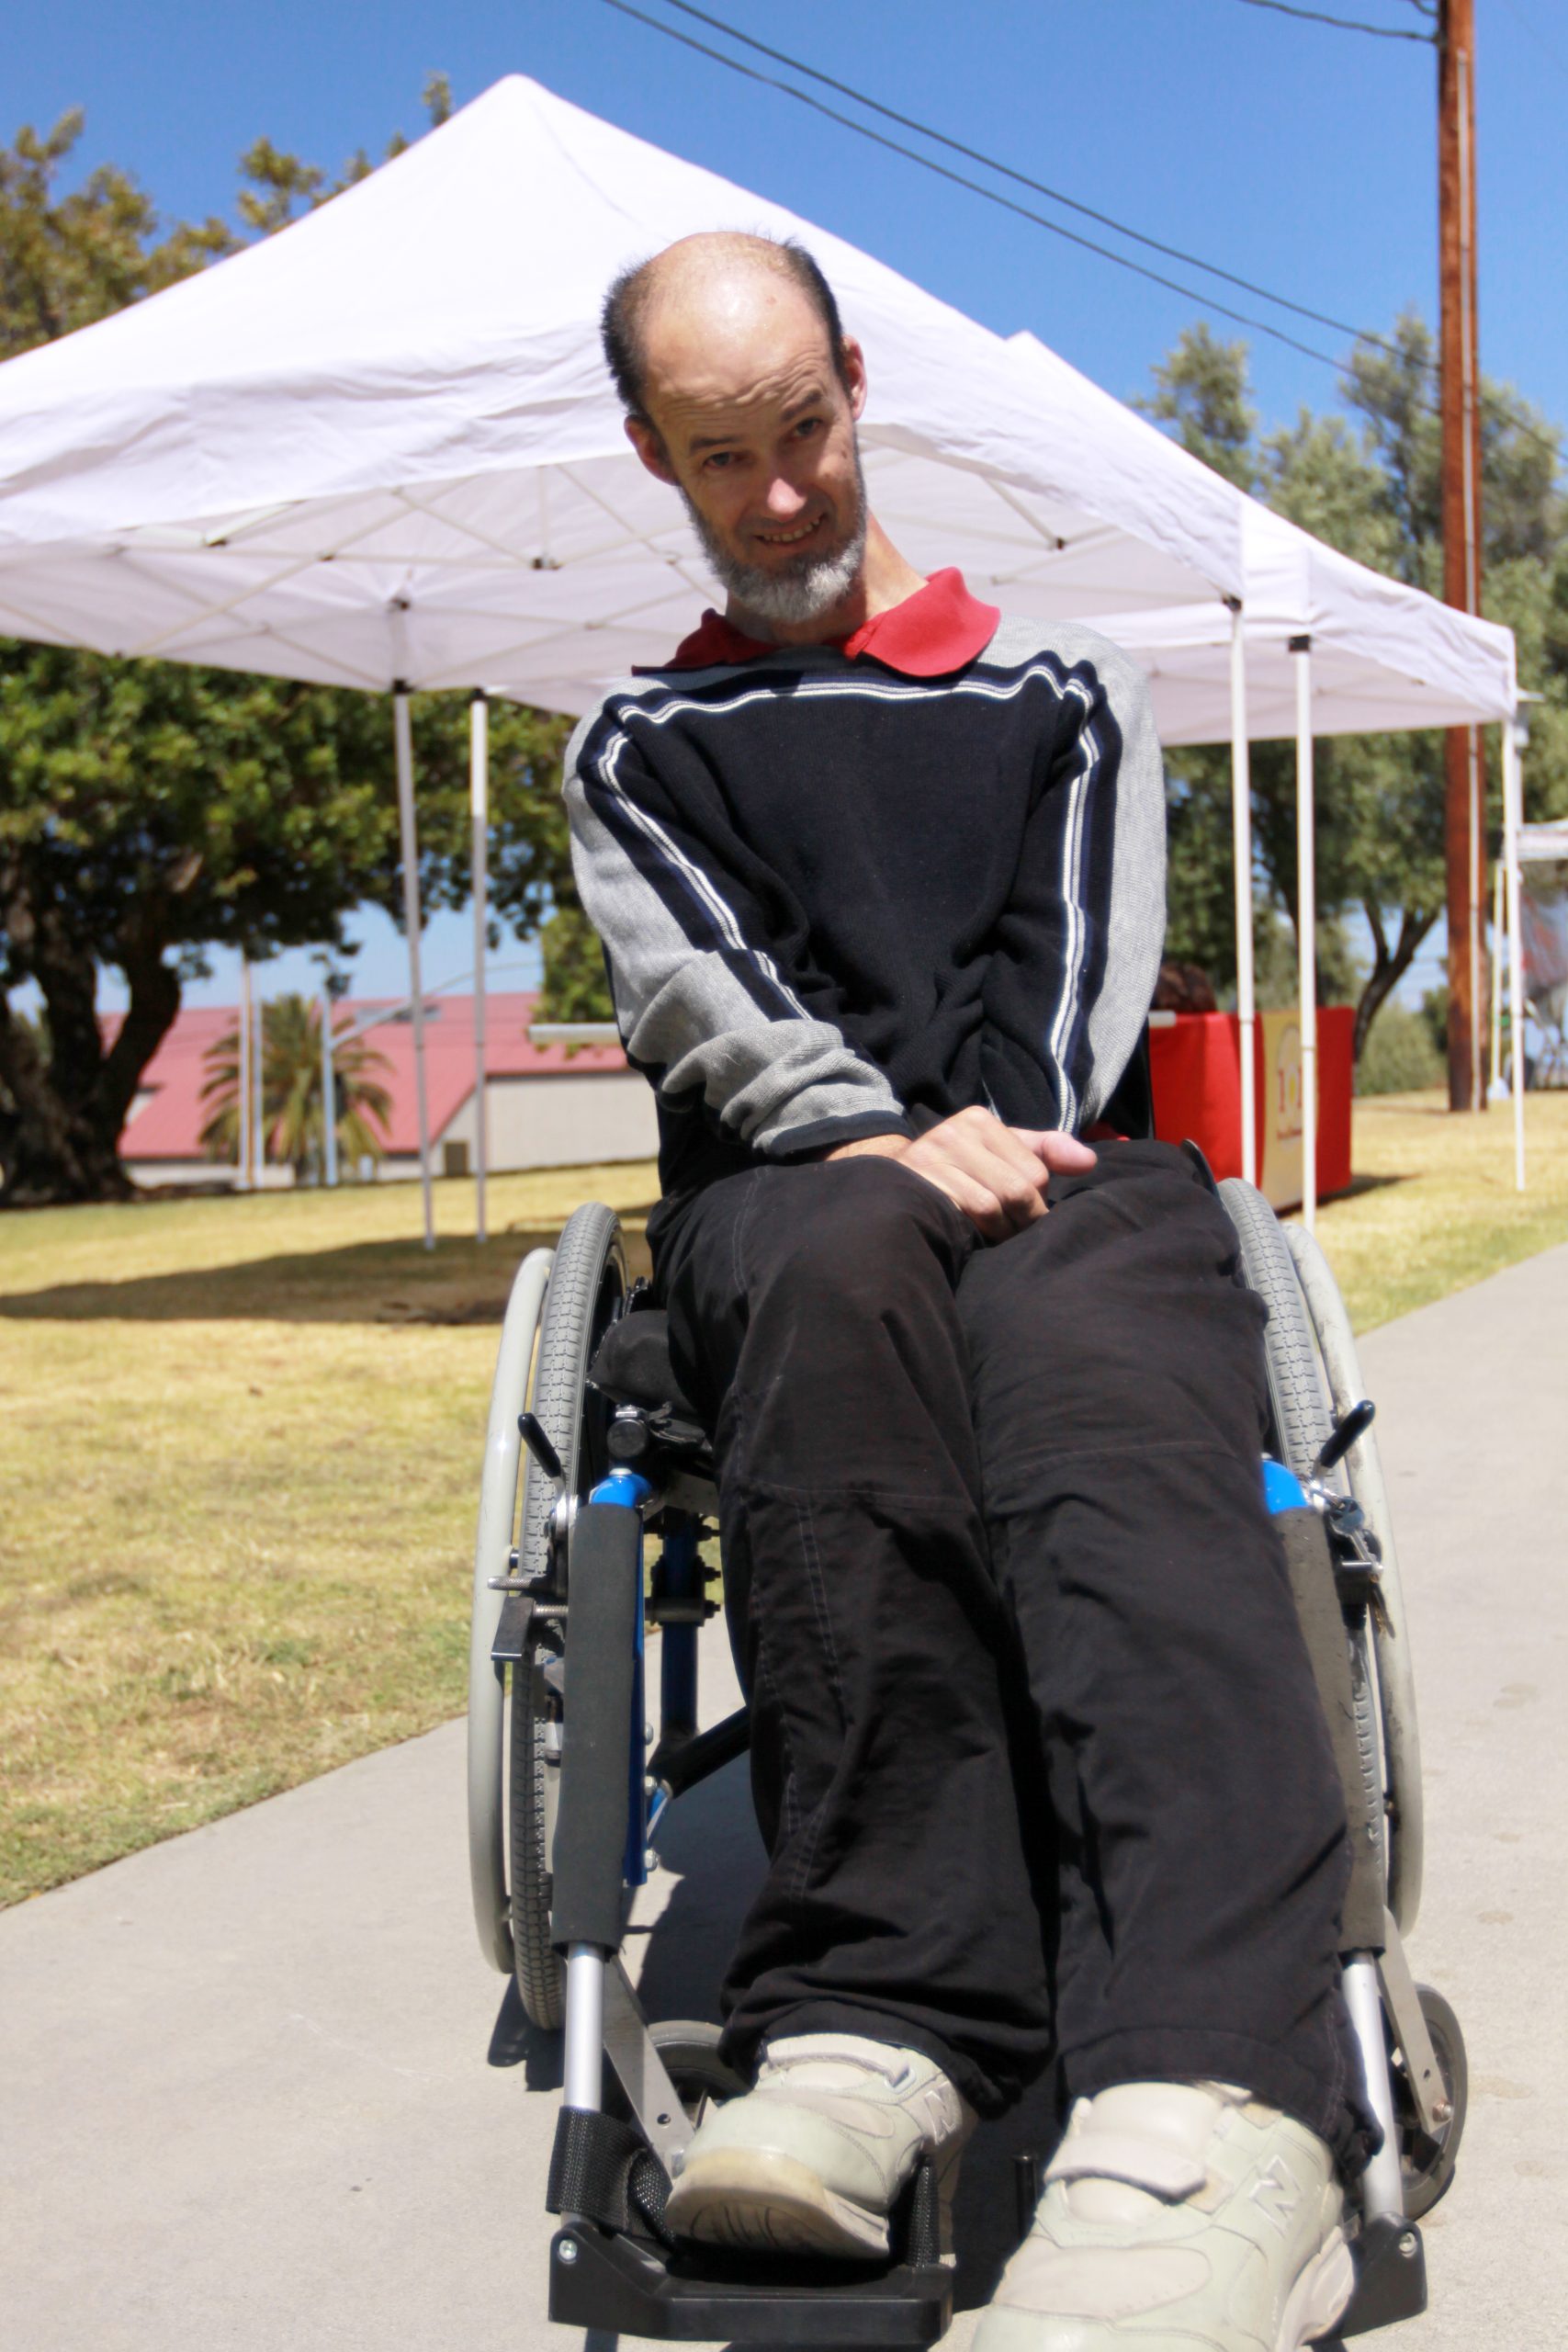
(837, 900)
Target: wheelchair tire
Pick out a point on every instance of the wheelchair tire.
(1297, 1392)
(1302, 1415)
(1426, 2162)
(588, 1283)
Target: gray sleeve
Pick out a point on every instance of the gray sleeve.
(1086, 923)
(703, 1007)
(1136, 912)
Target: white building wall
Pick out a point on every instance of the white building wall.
(578, 1121)
(559, 1122)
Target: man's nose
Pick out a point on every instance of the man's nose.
(783, 500)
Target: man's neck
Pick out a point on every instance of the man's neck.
(885, 580)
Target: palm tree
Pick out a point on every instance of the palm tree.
(291, 1091)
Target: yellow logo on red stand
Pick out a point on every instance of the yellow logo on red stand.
(1281, 1174)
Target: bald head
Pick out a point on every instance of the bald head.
(713, 302)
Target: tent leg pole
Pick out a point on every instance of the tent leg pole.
(329, 1094)
(259, 1093)
(1494, 1086)
(1477, 916)
(242, 1035)
(402, 736)
(478, 802)
(1306, 925)
(1241, 836)
(1513, 814)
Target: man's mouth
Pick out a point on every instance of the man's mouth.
(791, 538)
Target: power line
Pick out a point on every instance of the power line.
(1021, 179)
(1341, 24)
(927, 163)
(768, 81)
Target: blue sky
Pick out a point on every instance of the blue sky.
(1298, 156)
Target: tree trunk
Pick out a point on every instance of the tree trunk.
(1389, 966)
(60, 1117)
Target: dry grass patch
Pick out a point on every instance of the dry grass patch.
(240, 1445)
(1435, 1207)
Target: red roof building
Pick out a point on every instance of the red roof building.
(547, 1105)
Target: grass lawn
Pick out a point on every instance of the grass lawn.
(240, 1447)
(1434, 1207)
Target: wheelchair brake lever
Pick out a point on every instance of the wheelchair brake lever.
(1342, 1436)
(532, 1431)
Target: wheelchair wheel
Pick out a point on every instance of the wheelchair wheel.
(588, 1284)
(1302, 1410)
(494, 1541)
(1396, 1681)
(1427, 2161)
(1297, 1393)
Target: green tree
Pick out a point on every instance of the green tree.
(151, 811)
(293, 1092)
(1370, 485)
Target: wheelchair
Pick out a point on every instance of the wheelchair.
(591, 1450)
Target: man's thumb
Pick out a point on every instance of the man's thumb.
(1061, 1152)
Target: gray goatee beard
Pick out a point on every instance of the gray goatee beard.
(803, 589)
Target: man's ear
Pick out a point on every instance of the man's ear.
(854, 375)
(651, 449)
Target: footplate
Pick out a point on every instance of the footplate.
(608, 2279)
(1390, 2275)
(601, 2280)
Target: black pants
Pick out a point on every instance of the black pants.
(1036, 1751)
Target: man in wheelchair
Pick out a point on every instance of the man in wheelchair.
(1036, 1751)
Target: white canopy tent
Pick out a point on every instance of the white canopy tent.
(1542, 844)
(1316, 645)
(1322, 646)
(381, 450)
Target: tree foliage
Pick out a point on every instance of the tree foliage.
(151, 811)
(1370, 484)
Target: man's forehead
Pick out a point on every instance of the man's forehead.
(721, 396)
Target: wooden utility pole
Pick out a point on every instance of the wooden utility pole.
(1464, 837)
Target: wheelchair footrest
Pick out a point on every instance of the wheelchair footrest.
(600, 2280)
(1391, 2277)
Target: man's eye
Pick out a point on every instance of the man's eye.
(718, 460)
(807, 424)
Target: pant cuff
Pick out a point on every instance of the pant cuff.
(1327, 2105)
(743, 2040)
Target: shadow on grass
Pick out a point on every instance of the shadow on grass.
(1358, 1185)
(370, 1281)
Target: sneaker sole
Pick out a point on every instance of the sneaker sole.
(770, 2204)
(1319, 2297)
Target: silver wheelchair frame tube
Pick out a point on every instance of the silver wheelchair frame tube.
(1391, 1632)
(492, 1543)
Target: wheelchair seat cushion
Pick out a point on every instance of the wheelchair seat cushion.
(632, 1366)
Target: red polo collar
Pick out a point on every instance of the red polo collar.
(941, 628)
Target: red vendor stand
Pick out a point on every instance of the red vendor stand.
(1196, 1065)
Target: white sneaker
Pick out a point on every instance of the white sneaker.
(1177, 2215)
(815, 2157)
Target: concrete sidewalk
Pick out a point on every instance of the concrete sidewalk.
(258, 2091)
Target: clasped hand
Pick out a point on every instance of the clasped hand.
(995, 1173)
